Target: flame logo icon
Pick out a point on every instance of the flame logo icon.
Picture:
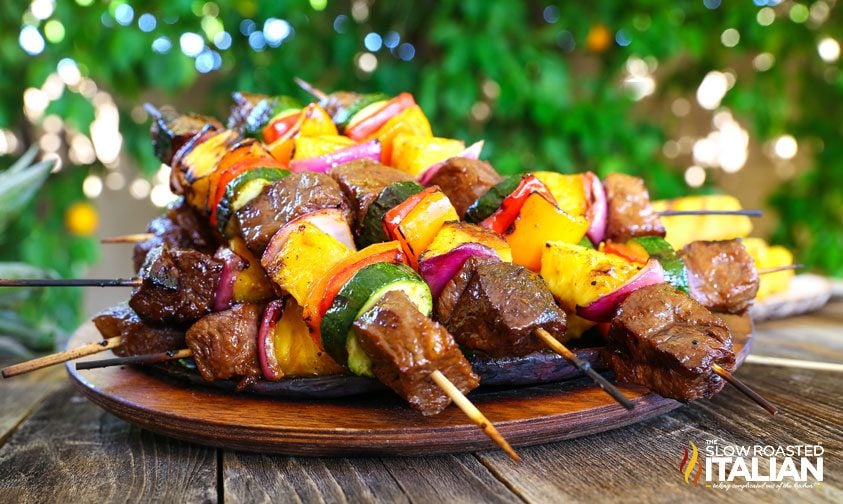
(690, 460)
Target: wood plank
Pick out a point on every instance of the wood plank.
(814, 336)
(265, 478)
(72, 451)
(20, 396)
(641, 462)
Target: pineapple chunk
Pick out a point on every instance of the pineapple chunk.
(767, 256)
(683, 229)
(567, 190)
(414, 154)
(305, 257)
(454, 234)
(577, 276)
(315, 146)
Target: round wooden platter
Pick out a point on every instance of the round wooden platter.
(375, 424)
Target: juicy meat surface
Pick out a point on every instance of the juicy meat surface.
(138, 338)
(178, 286)
(664, 340)
(464, 180)
(405, 347)
(362, 182)
(630, 214)
(447, 300)
(500, 307)
(224, 344)
(721, 275)
(180, 227)
(293, 196)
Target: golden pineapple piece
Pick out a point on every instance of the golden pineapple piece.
(567, 190)
(454, 234)
(767, 256)
(683, 229)
(414, 154)
(294, 348)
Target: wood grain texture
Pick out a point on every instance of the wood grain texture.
(640, 463)
(450, 478)
(815, 336)
(21, 396)
(72, 451)
(379, 424)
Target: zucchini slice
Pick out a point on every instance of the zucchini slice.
(393, 195)
(659, 249)
(357, 296)
(491, 201)
(343, 116)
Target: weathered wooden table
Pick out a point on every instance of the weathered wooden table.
(55, 446)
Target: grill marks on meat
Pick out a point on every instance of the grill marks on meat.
(224, 344)
(405, 347)
(630, 214)
(178, 286)
(293, 196)
(181, 227)
(499, 307)
(138, 338)
(721, 274)
(666, 341)
(362, 182)
(464, 180)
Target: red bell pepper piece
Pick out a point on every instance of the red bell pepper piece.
(279, 127)
(368, 125)
(504, 216)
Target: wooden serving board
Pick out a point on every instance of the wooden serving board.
(376, 424)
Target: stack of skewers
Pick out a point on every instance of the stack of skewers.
(342, 237)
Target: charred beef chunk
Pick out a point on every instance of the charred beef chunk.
(447, 300)
(630, 214)
(293, 196)
(664, 340)
(405, 347)
(180, 227)
(464, 180)
(721, 275)
(170, 130)
(244, 104)
(138, 338)
(224, 344)
(178, 286)
(362, 182)
(500, 307)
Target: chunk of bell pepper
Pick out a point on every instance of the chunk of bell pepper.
(416, 221)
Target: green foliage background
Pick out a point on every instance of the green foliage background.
(559, 106)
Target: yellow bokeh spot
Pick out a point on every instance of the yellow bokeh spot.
(599, 39)
(81, 218)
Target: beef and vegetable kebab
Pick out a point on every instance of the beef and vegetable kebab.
(319, 239)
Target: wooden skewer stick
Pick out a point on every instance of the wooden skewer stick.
(71, 282)
(585, 367)
(440, 379)
(152, 110)
(747, 213)
(309, 88)
(744, 388)
(764, 271)
(153, 358)
(58, 358)
(129, 238)
(473, 413)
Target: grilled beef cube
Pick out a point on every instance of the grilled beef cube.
(721, 275)
(178, 286)
(630, 214)
(405, 347)
(450, 295)
(464, 180)
(664, 340)
(362, 182)
(224, 344)
(170, 130)
(180, 227)
(499, 308)
(241, 109)
(293, 196)
(137, 338)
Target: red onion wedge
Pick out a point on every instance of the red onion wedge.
(330, 221)
(597, 208)
(603, 308)
(232, 264)
(438, 270)
(368, 150)
(472, 152)
(266, 344)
